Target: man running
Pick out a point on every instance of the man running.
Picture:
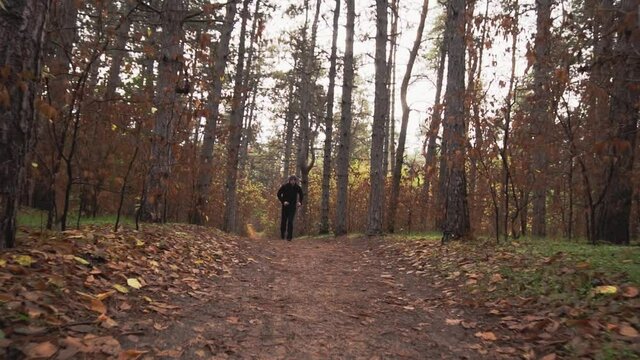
(290, 195)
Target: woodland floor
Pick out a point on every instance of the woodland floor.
(236, 298)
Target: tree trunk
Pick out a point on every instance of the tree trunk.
(21, 38)
(456, 220)
(431, 143)
(326, 165)
(235, 130)
(344, 147)
(205, 169)
(289, 125)
(117, 56)
(612, 220)
(510, 101)
(250, 80)
(541, 114)
(170, 64)
(389, 127)
(397, 168)
(380, 113)
(306, 157)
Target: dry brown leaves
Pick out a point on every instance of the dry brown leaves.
(64, 294)
(472, 276)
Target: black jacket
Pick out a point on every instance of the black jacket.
(289, 192)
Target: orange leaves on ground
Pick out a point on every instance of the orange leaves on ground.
(630, 291)
(541, 299)
(486, 336)
(628, 331)
(94, 277)
(42, 350)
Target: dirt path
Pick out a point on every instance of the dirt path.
(310, 299)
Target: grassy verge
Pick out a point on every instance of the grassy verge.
(34, 218)
(574, 299)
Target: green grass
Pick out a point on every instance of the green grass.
(33, 218)
(608, 259)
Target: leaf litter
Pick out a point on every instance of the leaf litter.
(546, 307)
(73, 293)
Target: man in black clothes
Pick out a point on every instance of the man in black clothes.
(290, 195)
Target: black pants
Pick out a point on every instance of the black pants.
(288, 214)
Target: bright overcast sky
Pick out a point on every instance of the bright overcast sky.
(421, 92)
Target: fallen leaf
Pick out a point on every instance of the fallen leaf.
(121, 288)
(30, 330)
(106, 344)
(487, 336)
(630, 291)
(134, 283)
(41, 350)
(173, 353)
(233, 320)
(23, 260)
(453, 321)
(496, 278)
(3, 262)
(98, 306)
(107, 322)
(469, 324)
(104, 295)
(131, 354)
(201, 353)
(551, 356)
(160, 327)
(605, 290)
(628, 331)
(81, 260)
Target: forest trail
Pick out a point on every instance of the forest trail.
(312, 299)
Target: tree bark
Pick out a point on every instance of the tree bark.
(380, 113)
(389, 128)
(541, 114)
(613, 218)
(169, 65)
(306, 157)
(250, 84)
(456, 220)
(235, 130)
(344, 146)
(326, 165)
(205, 169)
(117, 53)
(398, 163)
(431, 140)
(22, 26)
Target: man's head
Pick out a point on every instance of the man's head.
(293, 179)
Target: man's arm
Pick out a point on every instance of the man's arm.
(280, 193)
(300, 193)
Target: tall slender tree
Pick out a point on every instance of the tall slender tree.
(328, 123)
(380, 113)
(612, 219)
(170, 63)
(398, 163)
(306, 155)
(344, 144)
(235, 129)
(22, 25)
(456, 209)
(541, 112)
(220, 54)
